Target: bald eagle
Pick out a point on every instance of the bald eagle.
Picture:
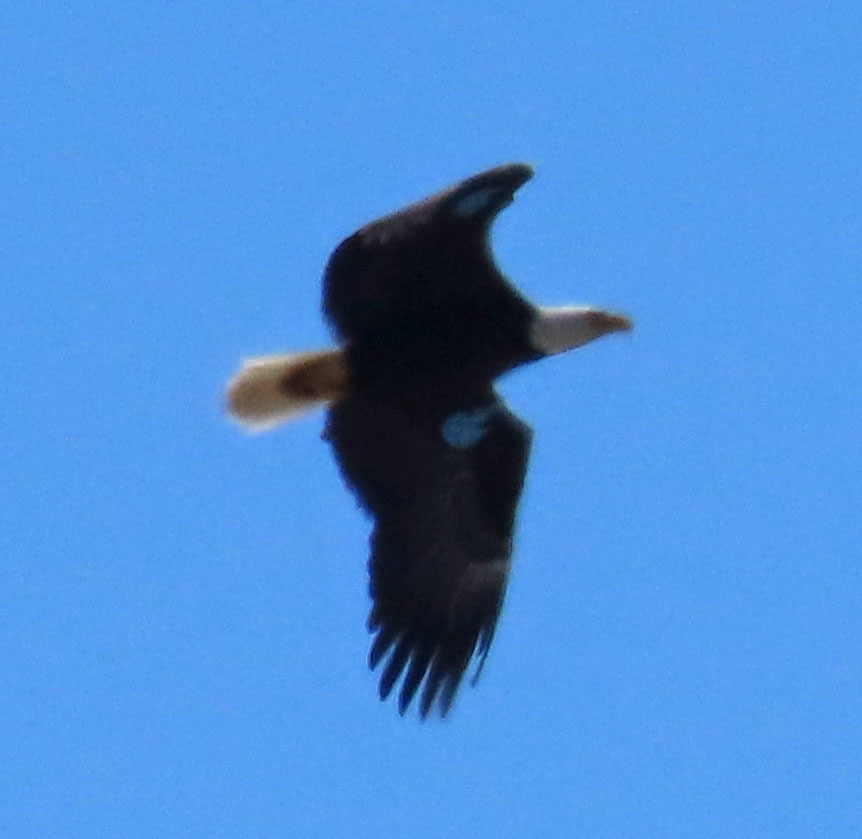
(425, 323)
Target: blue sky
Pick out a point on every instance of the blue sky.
(182, 630)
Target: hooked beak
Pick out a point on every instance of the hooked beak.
(603, 323)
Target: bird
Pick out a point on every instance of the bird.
(425, 323)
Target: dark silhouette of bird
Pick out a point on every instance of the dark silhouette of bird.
(425, 323)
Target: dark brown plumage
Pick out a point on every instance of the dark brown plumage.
(426, 323)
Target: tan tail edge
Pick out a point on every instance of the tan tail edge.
(272, 389)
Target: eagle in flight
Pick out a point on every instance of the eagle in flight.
(425, 323)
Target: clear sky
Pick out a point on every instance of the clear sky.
(182, 606)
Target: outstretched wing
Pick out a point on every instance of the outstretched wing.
(443, 497)
(408, 261)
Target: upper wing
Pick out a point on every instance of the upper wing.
(419, 255)
(444, 515)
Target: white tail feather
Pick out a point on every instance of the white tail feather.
(272, 389)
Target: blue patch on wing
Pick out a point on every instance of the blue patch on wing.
(466, 428)
(476, 201)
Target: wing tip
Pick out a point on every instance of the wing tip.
(432, 671)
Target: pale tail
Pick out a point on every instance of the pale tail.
(274, 388)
